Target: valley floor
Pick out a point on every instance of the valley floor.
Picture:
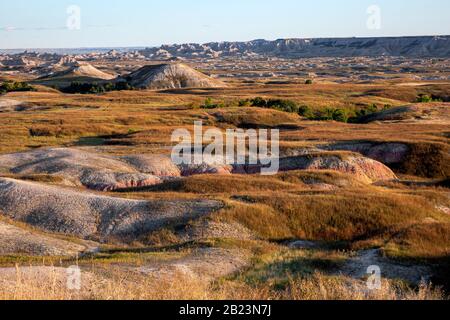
(86, 182)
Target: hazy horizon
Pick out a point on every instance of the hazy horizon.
(128, 48)
(51, 24)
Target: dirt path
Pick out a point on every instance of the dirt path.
(206, 264)
(357, 268)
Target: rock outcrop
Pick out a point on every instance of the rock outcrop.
(436, 112)
(205, 168)
(157, 165)
(86, 215)
(15, 240)
(363, 169)
(81, 69)
(386, 152)
(79, 168)
(77, 72)
(171, 76)
(109, 173)
(427, 46)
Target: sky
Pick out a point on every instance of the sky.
(136, 23)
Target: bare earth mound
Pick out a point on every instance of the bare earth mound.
(78, 72)
(83, 214)
(79, 167)
(84, 70)
(157, 165)
(15, 240)
(364, 169)
(171, 76)
(429, 112)
(107, 173)
(387, 153)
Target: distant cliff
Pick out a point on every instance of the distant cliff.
(426, 46)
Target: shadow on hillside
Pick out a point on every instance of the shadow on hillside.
(105, 140)
(193, 91)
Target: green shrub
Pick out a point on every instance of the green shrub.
(283, 105)
(277, 104)
(12, 86)
(424, 98)
(305, 111)
(340, 115)
(209, 104)
(367, 111)
(94, 88)
(326, 114)
(244, 103)
(259, 102)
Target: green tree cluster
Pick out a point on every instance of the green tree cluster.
(93, 88)
(12, 86)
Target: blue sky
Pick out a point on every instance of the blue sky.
(109, 23)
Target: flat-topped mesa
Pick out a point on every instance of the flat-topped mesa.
(420, 46)
(171, 76)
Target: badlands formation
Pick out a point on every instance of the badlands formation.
(86, 178)
(171, 76)
(88, 215)
(106, 173)
(82, 72)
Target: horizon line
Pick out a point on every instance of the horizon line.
(225, 41)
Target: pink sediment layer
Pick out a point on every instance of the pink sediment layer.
(125, 185)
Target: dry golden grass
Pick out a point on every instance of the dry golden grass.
(210, 184)
(343, 216)
(119, 286)
(401, 219)
(67, 118)
(421, 241)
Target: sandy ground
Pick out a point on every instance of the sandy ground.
(205, 264)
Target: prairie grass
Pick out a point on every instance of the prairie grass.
(116, 285)
(421, 241)
(404, 221)
(347, 216)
